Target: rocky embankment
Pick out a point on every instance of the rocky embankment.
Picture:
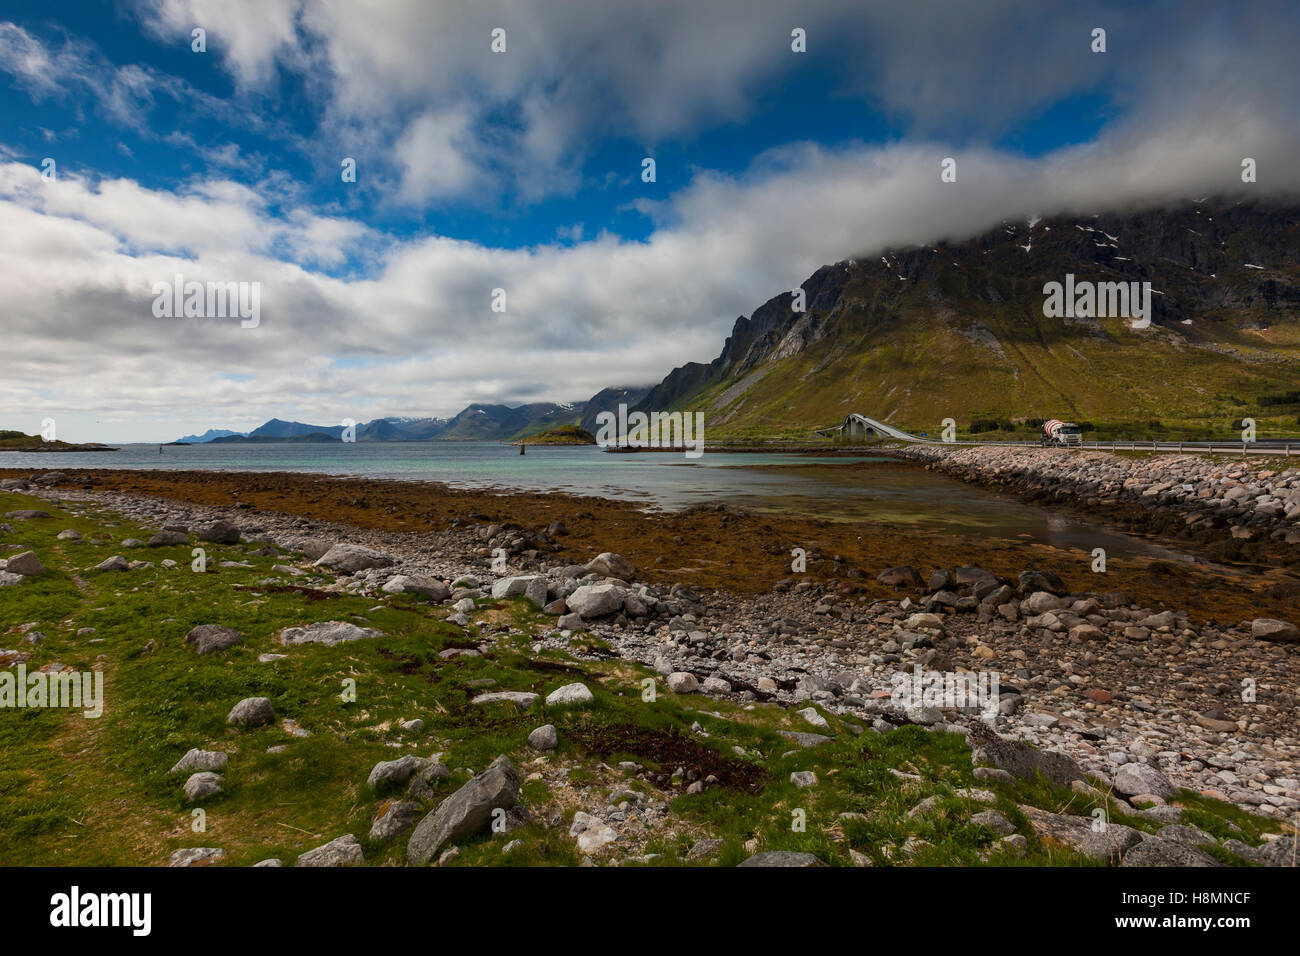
(1246, 509)
(1142, 699)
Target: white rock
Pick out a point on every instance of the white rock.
(810, 714)
(682, 682)
(596, 600)
(569, 694)
(593, 835)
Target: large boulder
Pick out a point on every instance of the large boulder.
(220, 532)
(1040, 602)
(1156, 851)
(345, 851)
(166, 538)
(1108, 842)
(596, 600)
(465, 812)
(352, 558)
(1132, 779)
(202, 785)
(973, 574)
(25, 563)
(612, 566)
(544, 738)
(310, 548)
(328, 633)
(196, 759)
(940, 580)
(207, 638)
(115, 563)
(389, 773)
(900, 577)
(1262, 628)
(683, 682)
(251, 712)
(531, 586)
(394, 819)
(1157, 621)
(1284, 851)
(522, 699)
(569, 694)
(421, 584)
(1032, 581)
(1022, 760)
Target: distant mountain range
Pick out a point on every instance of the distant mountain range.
(209, 435)
(477, 422)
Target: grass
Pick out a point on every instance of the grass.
(97, 792)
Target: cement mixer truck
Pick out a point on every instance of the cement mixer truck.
(1058, 434)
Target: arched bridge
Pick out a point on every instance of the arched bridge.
(859, 427)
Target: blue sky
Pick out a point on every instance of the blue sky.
(808, 98)
(522, 170)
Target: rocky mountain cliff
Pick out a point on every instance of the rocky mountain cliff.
(912, 336)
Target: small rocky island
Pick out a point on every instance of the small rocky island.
(564, 435)
(13, 440)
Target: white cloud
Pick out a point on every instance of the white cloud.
(432, 154)
(250, 35)
(403, 73)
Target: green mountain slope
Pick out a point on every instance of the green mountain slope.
(958, 331)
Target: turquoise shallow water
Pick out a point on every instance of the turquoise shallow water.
(881, 489)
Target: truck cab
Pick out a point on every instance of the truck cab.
(1057, 433)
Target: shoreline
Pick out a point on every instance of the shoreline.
(703, 546)
(1240, 510)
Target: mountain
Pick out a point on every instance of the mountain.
(480, 422)
(208, 435)
(313, 437)
(401, 429)
(278, 429)
(608, 400)
(957, 329)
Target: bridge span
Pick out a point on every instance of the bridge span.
(860, 428)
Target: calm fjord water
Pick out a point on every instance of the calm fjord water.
(760, 481)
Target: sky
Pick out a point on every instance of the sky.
(501, 240)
